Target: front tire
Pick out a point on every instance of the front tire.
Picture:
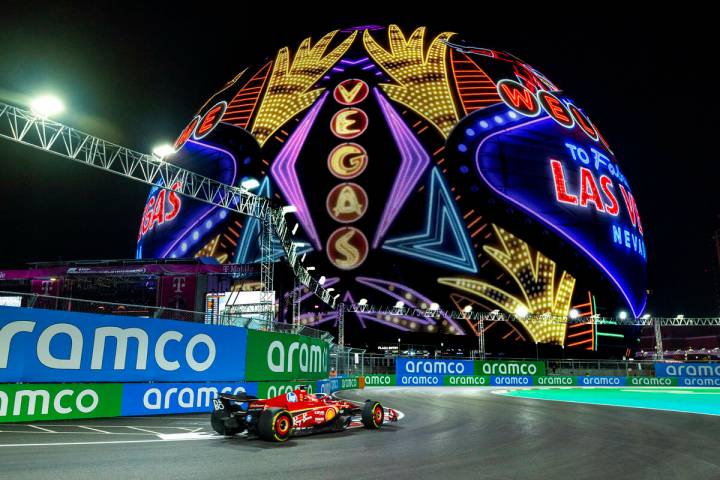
(373, 415)
(275, 425)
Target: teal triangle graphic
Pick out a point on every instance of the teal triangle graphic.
(445, 240)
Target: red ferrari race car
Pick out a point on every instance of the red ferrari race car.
(294, 413)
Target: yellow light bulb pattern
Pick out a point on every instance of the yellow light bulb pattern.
(536, 281)
(421, 82)
(289, 89)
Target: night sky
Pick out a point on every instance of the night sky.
(135, 76)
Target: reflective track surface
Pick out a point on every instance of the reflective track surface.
(447, 433)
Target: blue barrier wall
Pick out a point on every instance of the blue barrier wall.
(166, 398)
(51, 346)
(687, 370)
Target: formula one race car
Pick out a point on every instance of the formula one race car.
(294, 413)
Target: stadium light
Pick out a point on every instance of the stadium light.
(289, 209)
(250, 183)
(646, 316)
(467, 309)
(521, 311)
(622, 315)
(46, 105)
(163, 150)
(363, 301)
(322, 280)
(310, 269)
(680, 317)
(399, 304)
(434, 306)
(574, 314)
(331, 289)
(295, 228)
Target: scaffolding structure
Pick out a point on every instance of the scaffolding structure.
(30, 129)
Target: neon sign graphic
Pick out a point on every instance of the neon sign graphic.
(284, 172)
(351, 91)
(413, 162)
(347, 202)
(458, 116)
(347, 248)
(582, 192)
(444, 240)
(160, 209)
(349, 123)
(347, 160)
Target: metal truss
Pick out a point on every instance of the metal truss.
(32, 130)
(267, 268)
(502, 317)
(341, 325)
(295, 297)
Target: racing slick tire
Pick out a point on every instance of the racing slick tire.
(373, 415)
(217, 420)
(275, 425)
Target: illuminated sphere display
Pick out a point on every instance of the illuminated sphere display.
(423, 170)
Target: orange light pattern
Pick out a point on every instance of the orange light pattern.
(289, 89)
(475, 89)
(421, 81)
(583, 334)
(214, 248)
(225, 87)
(243, 104)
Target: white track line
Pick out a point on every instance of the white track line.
(144, 430)
(41, 428)
(75, 425)
(113, 442)
(34, 432)
(94, 429)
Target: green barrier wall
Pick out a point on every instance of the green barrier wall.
(273, 389)
(466, 380)
(379, 380)
(280, 356)
(28, 402)
(509, 367)
(652, 381)
(558, 381)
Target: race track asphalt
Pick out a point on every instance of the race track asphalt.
(447, 433)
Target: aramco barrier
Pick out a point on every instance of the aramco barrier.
(66, 365)
(81, 365)
(413, 372)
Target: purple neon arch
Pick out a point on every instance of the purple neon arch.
(413, 162)
(375, 283)
(545, 220)
(285, 175)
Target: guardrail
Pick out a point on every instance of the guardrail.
(69, 304)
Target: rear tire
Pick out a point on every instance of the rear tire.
(217, 420)
(275, 425)
(373, 415)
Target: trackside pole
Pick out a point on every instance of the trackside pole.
(341, 336)
(658, 340)
(481, 338)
